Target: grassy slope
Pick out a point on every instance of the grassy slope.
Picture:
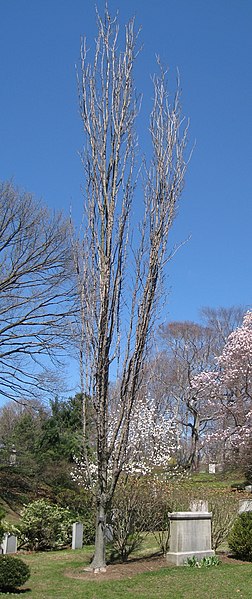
(13, 503)
(216, 481)
(12, 515)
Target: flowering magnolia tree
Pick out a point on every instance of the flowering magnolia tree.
(228, 388)
(152, 440)
(152, 445)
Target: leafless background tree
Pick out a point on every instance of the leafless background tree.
(187, 349)
(35, 293)
(118, 274)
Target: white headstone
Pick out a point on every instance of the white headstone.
(248, 488)
(77, 538)
(245, 505)
(199, 505)
(9, 544)
(211, 468)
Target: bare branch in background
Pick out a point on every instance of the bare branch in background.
(35, 293)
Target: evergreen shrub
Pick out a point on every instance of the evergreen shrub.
(240, 537)
(13, 572)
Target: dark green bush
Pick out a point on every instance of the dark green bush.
(238, 486)
(240, 537)
(13, 572)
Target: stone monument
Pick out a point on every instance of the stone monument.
(190, 535)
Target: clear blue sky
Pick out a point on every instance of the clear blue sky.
(210, 42)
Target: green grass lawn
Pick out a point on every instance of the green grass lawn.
(50, 578)
(52, 573)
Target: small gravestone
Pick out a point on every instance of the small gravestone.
(77, 535)
(211, 468)
(248, 488)
(190, 535)
(109, 534)
(199, 505)
(9, 544)
(245, 505)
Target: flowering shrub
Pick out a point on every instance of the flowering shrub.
(140, 505)
(224, 511)
(83, 507)
(127, 517)
(45, 526)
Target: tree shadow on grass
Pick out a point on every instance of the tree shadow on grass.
(133, 558)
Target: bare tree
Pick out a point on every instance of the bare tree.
(188, 349)
(119, 275)
(222, 321)
(35, 292)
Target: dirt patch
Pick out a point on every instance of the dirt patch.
(132, 568)
(121, 571)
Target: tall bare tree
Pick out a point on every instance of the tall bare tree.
(35, 292)
(118, 273)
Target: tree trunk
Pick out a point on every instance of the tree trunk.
(98, 563)
(193, 459)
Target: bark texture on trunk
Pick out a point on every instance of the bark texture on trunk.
(98, 563)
